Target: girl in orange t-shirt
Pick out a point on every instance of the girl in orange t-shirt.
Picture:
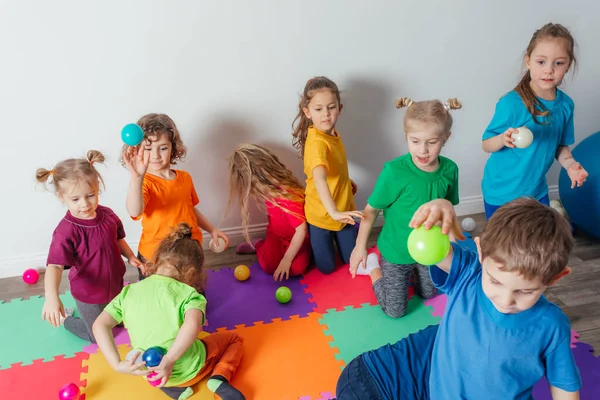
(158, 195)
(256, 173)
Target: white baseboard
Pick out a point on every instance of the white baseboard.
(14, 266)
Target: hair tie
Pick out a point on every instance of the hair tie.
(51, 172)
(409, 104)
(447, 106)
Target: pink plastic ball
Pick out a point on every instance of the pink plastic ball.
(69, 392)
(150, 376)
(31, 276)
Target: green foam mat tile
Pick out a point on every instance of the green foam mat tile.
(356, 330)
(25, 337)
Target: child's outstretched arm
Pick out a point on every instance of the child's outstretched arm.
(188, 333)
(102, 329)
(283, 269)
(136, 159)
(559, 394)
(435, 212)
(205, 224)
(360, 249)
(575, 171)
(320, 177)
(131, 258)
(53, 307)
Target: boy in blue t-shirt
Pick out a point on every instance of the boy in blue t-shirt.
(499, 334)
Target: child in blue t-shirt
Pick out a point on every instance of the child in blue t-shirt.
(537, 104)
(499, 335)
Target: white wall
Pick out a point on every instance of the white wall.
(73, 73)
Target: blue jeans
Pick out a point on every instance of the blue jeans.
(491, 209)
(356, 383)
(322, 243)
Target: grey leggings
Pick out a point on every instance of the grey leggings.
(392, 289)
(82, 327)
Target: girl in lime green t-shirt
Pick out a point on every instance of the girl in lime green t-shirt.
(166, 310)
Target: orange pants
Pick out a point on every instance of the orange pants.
(223, 356)
(273, 248)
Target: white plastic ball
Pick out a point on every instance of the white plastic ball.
(523, 138)
(468, 224)
(217, 247)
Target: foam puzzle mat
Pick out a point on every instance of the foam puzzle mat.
(292, 351)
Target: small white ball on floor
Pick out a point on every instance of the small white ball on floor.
(468, 224)
(217, 247)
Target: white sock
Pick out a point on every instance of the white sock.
(372, 263)
(68, 313)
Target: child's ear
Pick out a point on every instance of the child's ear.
(306, 113)
(561, 274)
(341, 106)
(478, 244)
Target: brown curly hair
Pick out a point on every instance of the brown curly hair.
(154, 126)
(179, 251)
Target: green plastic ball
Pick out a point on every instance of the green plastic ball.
(428, 246)
(283, 294)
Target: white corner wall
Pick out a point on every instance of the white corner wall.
(73, 73)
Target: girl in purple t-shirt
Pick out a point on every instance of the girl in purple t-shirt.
(90, 240)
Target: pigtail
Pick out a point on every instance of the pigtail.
(532, 103)
(240, 186)
(454, 104)
(300, 127)
(42, 175)
(403, 102)
(94, 156)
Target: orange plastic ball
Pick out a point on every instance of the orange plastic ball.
(241, 272)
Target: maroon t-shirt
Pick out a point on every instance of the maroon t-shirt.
(90, 248)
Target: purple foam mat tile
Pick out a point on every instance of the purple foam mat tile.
(589, 368)
(231, 302)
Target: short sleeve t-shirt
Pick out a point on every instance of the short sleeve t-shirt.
(284, 217)
(90, 247)
(513, 173)
(481, 353)
(399, 191)
(166, 204)
(153, 311)
(328, 151)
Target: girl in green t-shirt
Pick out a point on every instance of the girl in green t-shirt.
(166, 310)
(403, 186)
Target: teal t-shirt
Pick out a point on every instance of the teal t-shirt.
(152, 310)
(400, 190)
(513, 173)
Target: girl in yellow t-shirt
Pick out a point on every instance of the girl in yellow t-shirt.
(329, 198)
(158, 195)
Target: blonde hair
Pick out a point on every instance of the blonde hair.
(430, 112)
(528, 237)
(301, 123)
(73, 169)
(179, 251)
(255, 172)
(523, 88)
(154, 126)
